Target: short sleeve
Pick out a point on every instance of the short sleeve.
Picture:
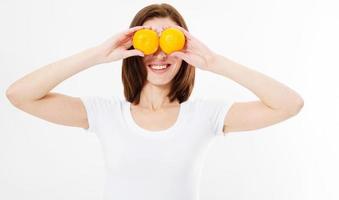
(215, 110)
(97, 109)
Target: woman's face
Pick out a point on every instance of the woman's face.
(159, 58)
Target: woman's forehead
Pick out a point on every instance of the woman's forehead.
(159, 23)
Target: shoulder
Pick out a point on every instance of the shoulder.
(212, 108)
(102, 103)
(208, 103)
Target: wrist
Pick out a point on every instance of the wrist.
(93, 55)
(212, 60)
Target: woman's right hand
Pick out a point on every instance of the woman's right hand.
(116, 47)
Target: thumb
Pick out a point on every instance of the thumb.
(179, 55)
(133, 52)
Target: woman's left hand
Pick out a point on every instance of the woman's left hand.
(194, 52)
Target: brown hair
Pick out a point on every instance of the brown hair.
(134, 77)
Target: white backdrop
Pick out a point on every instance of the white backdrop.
(293, 41)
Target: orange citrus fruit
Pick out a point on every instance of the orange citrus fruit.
(146, 40)
(171, 39)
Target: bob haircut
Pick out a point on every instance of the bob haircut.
(134, 72)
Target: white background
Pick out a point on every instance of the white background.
(292, 41)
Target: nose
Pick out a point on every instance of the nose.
(159, 54)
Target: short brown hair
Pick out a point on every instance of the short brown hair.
(134, 77)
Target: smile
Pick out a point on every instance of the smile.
(159, 68)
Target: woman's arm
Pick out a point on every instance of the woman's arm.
(277, 101)
(37, 84)
(272, 93)
(31, 93)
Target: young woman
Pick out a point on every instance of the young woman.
(154, 139)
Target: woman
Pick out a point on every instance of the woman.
(154, 141)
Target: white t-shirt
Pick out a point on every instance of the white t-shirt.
(154, 165)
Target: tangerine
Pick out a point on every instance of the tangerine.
(171, 39)
(146, 40)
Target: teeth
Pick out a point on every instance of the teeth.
(158, 66)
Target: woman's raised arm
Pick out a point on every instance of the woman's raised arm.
(32, 93)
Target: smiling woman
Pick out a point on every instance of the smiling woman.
(154, 141)
(177, 73)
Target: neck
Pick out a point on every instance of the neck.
(154, 97)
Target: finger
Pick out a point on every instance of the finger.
(164, 28)
(123, 34)
(147, 26)
(187, 34)
(129, 43)
(133, 52)
(180, 55)
(124, 41)
(133, 29)
(126, 36)
(152, 28)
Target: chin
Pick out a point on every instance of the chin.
(159, 82)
